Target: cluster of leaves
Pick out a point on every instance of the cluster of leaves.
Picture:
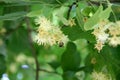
(75, 61)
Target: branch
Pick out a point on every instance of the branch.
(32, 47)
(34, 53)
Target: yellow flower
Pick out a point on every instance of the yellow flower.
(100, 76)
(105, 32)
(114, 30)
(101, 36)
(43, 23)
(99, 45)
(114, 41)
(71, 22)
(100, 32)
(48, 34)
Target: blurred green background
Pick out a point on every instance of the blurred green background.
(74, 61)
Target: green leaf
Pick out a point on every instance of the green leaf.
(72, 32)
(89, 25)
(75, 33)
(13, 16)
(69, 75)
(105, 14)
(38, 10)
(63, 20)
(54, 64)
(98, 16)
(79, 15)
(34, 13)
(116, 11)
(86, 11)
(60, 13)
(49, 1)
(79, 18)
(10, 1)
(18, 41)
(70, 59)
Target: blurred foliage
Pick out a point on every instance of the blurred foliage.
(74, 61)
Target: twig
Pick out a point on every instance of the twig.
(32, 47)
(34, 53)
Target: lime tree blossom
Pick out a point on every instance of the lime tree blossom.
(100, 76)
(107, 32)
(48, 33)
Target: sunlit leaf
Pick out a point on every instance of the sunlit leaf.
(106, 13)
(93, 20)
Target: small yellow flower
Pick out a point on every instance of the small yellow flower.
(71, 22)
(114, 30)
(100, 76)
(99, 45)
(114, 41)
(100, 32)
(101, 36)
(118, 23)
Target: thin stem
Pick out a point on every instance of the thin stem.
(32, 48)
(34, 53)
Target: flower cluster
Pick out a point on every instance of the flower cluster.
(107, 32)
(100, 76)
(48, 33)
